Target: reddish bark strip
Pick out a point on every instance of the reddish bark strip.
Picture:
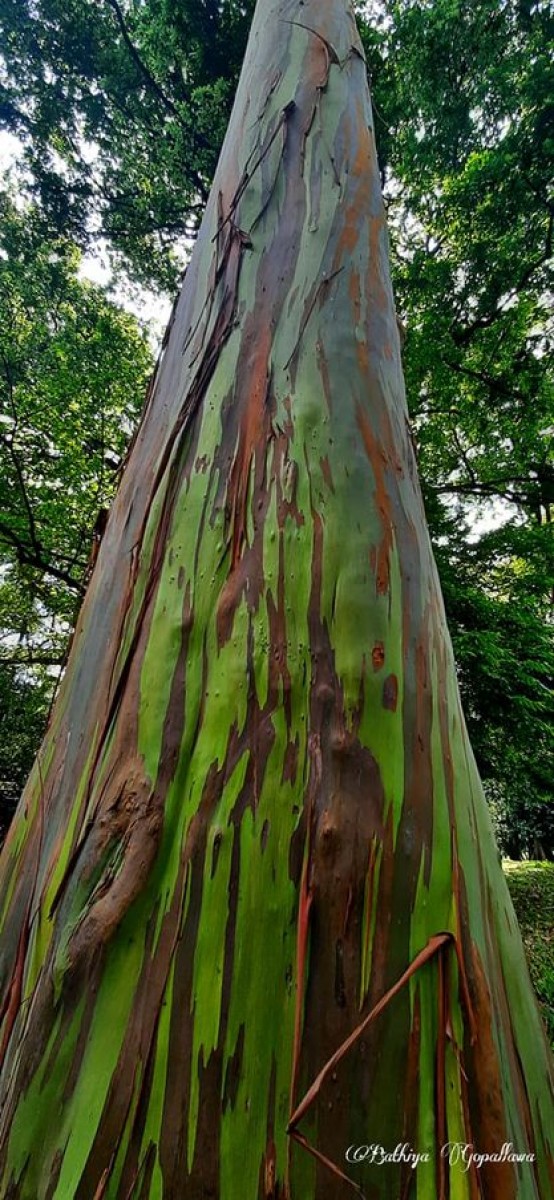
(432, 948)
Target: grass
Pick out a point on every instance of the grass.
(531, 887)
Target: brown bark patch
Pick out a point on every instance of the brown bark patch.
(499, 1180)
(390, 693)
(377, 461)
(378, 656)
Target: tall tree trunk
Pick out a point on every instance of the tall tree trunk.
(256, 817)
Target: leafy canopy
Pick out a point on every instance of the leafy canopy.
(73, 369)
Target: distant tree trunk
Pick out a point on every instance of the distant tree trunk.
(256, 810)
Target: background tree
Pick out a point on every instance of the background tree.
(463, 100)
(73, 369)
(24, 702)
(122, 109)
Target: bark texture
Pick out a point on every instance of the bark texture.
(256, 817)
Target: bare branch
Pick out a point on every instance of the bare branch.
(33, 557)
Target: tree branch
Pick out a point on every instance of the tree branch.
(8, 444)
(483, 490)
(31, 659)
(32, 558)
(139, 61)
(463, 455)
(156, 88)
(462, 336)
(488, 381)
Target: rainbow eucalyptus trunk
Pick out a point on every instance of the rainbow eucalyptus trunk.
(252, 909)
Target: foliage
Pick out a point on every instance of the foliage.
(73, 369)
(494, 590)
(531, 887)
(473, 219)
(463, 103)
(24, 704)
(122, 108)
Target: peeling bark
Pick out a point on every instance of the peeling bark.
(254, 852)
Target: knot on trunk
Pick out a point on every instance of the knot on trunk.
(111, 871)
